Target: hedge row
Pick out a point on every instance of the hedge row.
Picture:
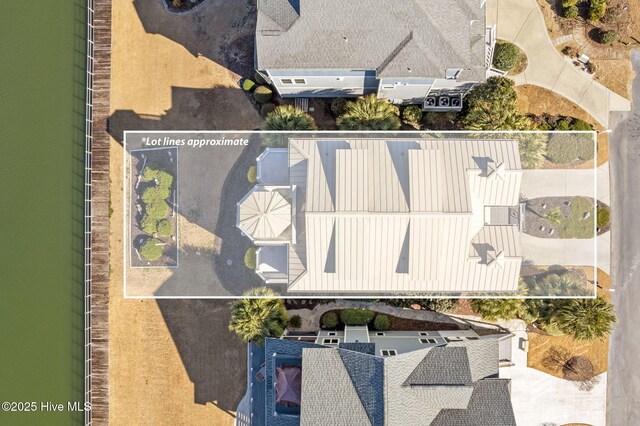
(156, 210)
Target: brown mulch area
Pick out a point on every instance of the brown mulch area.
(542, 349)
(464, 308)
(405, 324)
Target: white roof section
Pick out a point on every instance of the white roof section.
(401, 215)
(273, 167)
(264, 213)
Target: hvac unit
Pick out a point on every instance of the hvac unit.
(456, 101)
(430, 101)
(443, 101)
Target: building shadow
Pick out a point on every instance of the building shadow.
(220, 108)
(221, 30)
(214, 357)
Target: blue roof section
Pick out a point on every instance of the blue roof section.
(279, 348)
(365, 348)
(257, 387)
(367, 375)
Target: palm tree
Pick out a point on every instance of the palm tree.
(288, 117)
(533, 148)
(586, 319)
(567, 284)
(485, 115)
(253, 318)
(369, 113)
(494, 309)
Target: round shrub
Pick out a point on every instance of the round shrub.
(570, 12)
(564, 148)
(329, 320)
(250, 258)
(337, 106)
(288, 117)
(295, 321)
(569, 3)
(157, 210)
(412, 114)
(356, 316)
(149, 224)
(266, 109)
(563, 124)
(381, 322)
(262, 94)
(259, 78)
(606, 37)
(248, 85)
(440, 305)
(252, 174)
(155, 194)
(151, 249)
(165, 228)
(505, 56)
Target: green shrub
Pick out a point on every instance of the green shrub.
(369, 113)
(603, 216)
(494, 309)
(250, 258)
(155, 194)
(151, 249)
(288, 117)
(569, 3)
(597, 9)
(149, 224)
(554, 216)
(248, 85)
(607, 37)
(252, 174)
(262, 94)
(295, 321)
(563, 125)
(440, 305)
(381, 322)
(564, 148)
(259, 78)
(165, 228)
(266, 109)
(329, 320)
(570, 12)
(412, 114)
(612, 15)
(356, 316)
(532, 148)
(163, 178)
(157, 210)
(505, 56)
(578, 124)
(337, 106)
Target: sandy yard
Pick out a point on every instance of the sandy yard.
(174, 362)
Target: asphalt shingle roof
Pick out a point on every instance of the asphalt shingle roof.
(442, 366)
(397, 38)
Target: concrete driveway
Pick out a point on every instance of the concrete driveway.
(567, 182)
(539, 398)
(521, 22)
(568, 252)
(560, 183)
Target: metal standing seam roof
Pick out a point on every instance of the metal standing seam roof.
(406, 38)
(264, 214)
(401, 215)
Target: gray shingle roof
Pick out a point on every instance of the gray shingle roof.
(490, 405)
(398, 38)
(367, 375)
(442, 366)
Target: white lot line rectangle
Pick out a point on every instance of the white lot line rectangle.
(402, 135)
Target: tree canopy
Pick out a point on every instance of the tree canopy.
(254, 319)
(369, 113)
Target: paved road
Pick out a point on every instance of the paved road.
(521, 22)
(623, 391)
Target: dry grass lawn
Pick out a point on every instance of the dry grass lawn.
(172, 362)
(538, 100)
(597, 351)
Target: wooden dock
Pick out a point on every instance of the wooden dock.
(98, 295)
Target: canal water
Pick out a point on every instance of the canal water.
(42, 78)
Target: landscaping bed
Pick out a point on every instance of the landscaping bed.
(395, 323)
(565, 217)
(153, 208)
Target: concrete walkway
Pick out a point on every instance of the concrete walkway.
(521, 22)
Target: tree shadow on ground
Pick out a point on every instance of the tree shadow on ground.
(220, 30)
(214, 357)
